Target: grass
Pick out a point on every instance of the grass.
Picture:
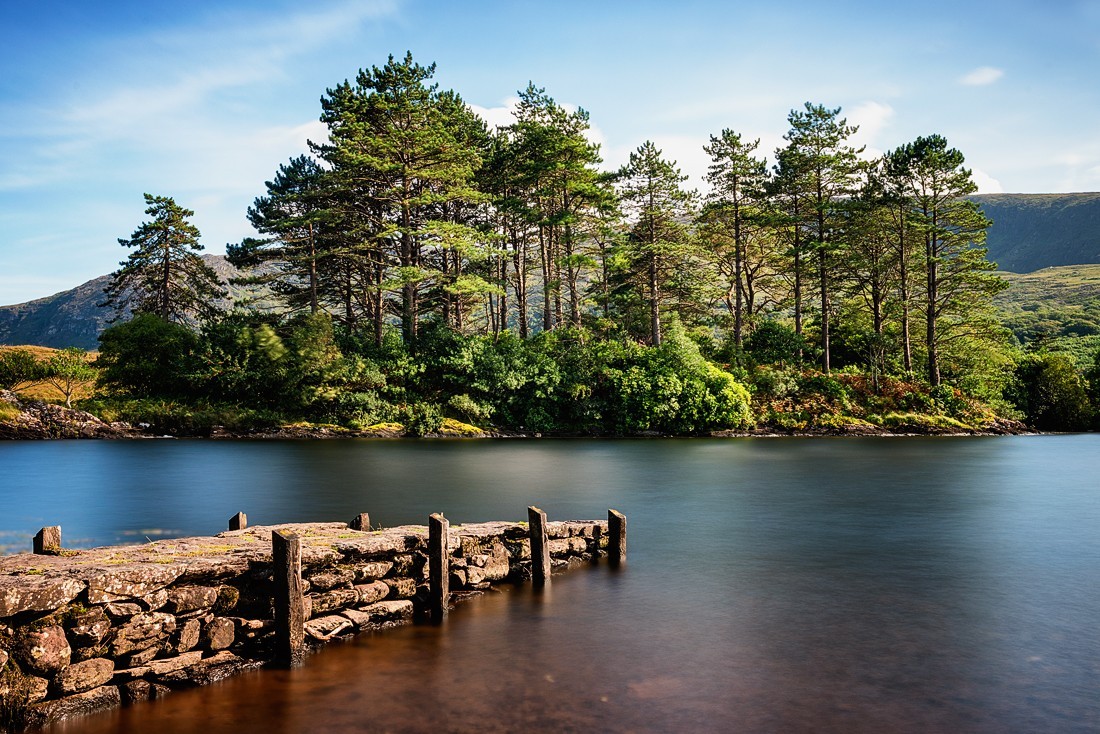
(48, 393)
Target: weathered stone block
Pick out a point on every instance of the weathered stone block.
(497, 567)
(122, 610)
(97, 699)
(85, 676)
(219, 634)
(475, 575)
(141, 657)
(21, 593)
(458, 577)
(372, 592)
(360, 522)
(187, 636)
(169, 665)
(402, 588)
(404, 565)
(142, 631)
(372, 570)
(3, 658)
(185, 599)
(47, 541)
(207, 671)
(156, 600)
(331, 579)
(132, 581)
(333, 600)
(43, 652)
(478, 559)
(89, 628)
(325, 628)
(359, 619)
(389, 611)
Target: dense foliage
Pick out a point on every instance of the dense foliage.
(429, 267)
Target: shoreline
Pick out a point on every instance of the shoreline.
(37, 420)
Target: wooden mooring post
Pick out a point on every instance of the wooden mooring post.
(439, 567)
(238, 521)
(360, 522)
(290, 630)
(47, 541)
(540, 547)
(616, 536)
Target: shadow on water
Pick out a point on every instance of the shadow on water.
(910, 585)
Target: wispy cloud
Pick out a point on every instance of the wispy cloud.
(982, 76)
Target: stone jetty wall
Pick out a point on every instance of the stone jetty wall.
(84, 630)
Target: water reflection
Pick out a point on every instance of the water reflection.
(773, 585)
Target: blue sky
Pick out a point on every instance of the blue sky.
(201, 101)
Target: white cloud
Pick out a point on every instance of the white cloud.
(504, 115)
(872, 118)
(986, 183)
(982, 76)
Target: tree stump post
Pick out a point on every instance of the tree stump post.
(540, 547)
(47, 541)
(616, 536)
(290, 630)
(439, 567)
(238, 521)
(360, 522)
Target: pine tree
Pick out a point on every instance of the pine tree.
(164, 275)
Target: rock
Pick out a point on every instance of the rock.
(122, 610)
(370, 593)
(187, 636)
(219, 634)
(37, 688)
(169, 665)
(403, 588)
(29, 593)
(359, 619)
(333, 600)
(387, 611)
(331, 579)
(156, 600)
(404, 565)
(475, 575)
(458, 577)
(97, 699)
(141, 657)
(136, 690)
(497, 567)
(325, 628)
(85, 676)
(142, 631)
(89, 629)
(44, 652)
(210, 670)
(131, 581)
(373, 570)
(3, 658)
(191, 598)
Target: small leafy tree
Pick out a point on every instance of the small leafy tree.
(147, 357)
(68, 370)
(18, 368)
(1051, 393)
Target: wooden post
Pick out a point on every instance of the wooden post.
(47, 541)
(290, 629)
(360, 522)
(238, 521)
(616, 536)
(439, 567)
(540, 548)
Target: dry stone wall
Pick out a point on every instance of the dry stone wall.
(86, 630)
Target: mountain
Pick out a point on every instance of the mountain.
(72, 318)
(1034, 231)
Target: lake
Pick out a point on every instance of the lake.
(772, 585)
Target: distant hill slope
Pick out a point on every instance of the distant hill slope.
(1033, 231)
(72, 318)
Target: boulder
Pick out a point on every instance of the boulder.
(372, 592)
(497, 566)
(85, 676)
(191, 598)
(44, 651)
(402, 588)
(332, 600)
(142, 631)
(219, 634)
(372, 571)
(207, 671)
(32, 593)
(325, 628)
(89, 628)
(122, 610)
(131, 581)
(331, 579)
(389, 611)
(79, 704)
(141, 657)
(187, 636)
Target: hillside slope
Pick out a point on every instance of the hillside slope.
(73, 318)
(1033, 231)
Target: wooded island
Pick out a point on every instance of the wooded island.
(421, 266)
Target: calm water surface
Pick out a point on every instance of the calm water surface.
(773, 585)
